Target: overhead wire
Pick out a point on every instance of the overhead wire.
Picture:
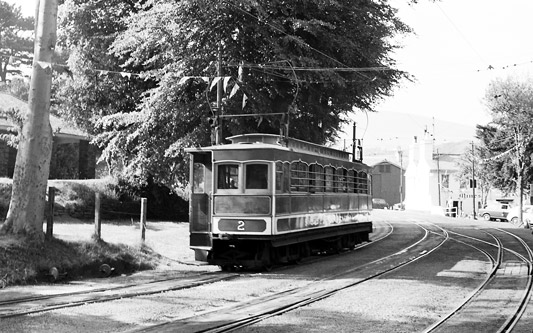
(460, 32)
(292, 37)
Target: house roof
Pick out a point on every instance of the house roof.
(60, 127)
(385, 161)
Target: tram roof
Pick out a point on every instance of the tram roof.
(270, 141)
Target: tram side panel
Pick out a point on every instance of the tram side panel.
(314, 216)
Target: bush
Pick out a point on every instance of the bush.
(162, 202)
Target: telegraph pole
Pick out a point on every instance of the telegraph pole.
(400, 153)
(473, 183)
(439, 181)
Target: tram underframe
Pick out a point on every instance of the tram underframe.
(263, 254)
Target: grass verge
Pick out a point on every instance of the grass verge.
(72, 252)
(26, 262)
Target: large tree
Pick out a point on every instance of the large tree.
(316, 59)
(507, 141)
(28, 197)
(15, 40)
(313, 60)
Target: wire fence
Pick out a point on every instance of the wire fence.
(98, 215)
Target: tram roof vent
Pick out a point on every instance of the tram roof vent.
(294, 144)
(255, 138)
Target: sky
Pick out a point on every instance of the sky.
(454, 44)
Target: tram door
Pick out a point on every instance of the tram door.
(200, 204)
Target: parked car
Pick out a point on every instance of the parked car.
(378, 203)
(495, 212)
(527, 214)
(398, 206)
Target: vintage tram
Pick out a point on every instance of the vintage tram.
(264, 199)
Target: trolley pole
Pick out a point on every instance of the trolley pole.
(354, 146)
(218, 118)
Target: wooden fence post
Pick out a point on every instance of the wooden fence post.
(97, 218)
(144, 205)
(50, 220)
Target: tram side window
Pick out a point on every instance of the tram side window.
(198, 178)
(279, 176)
(256, 176)
(303, 174)
(329, 178)
(299, 178)
(282, 177)
(351, 181)
(364, 182)
(340, 180)
(316, 176)
(228, 176)
(358, 183)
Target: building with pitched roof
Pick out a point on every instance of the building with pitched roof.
(73, 157)
(388, 179)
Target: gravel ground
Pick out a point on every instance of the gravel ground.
(409, 299)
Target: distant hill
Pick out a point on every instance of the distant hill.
(385, 133)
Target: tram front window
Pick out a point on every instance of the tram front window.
(257, 176)
(198, 178)
(228, 176)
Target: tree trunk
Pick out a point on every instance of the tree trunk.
(3, 71)
(28, 197)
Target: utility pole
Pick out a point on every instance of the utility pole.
(400, 153)
(438, 176)
(473, 183)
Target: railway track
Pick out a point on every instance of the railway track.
(509, 258)
(501, 299)
(247, 313)
(41, 303)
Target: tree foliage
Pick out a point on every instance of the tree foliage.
(86, 31)
(471, 165)
(507, 142)
(316, 59)
(15, 39)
